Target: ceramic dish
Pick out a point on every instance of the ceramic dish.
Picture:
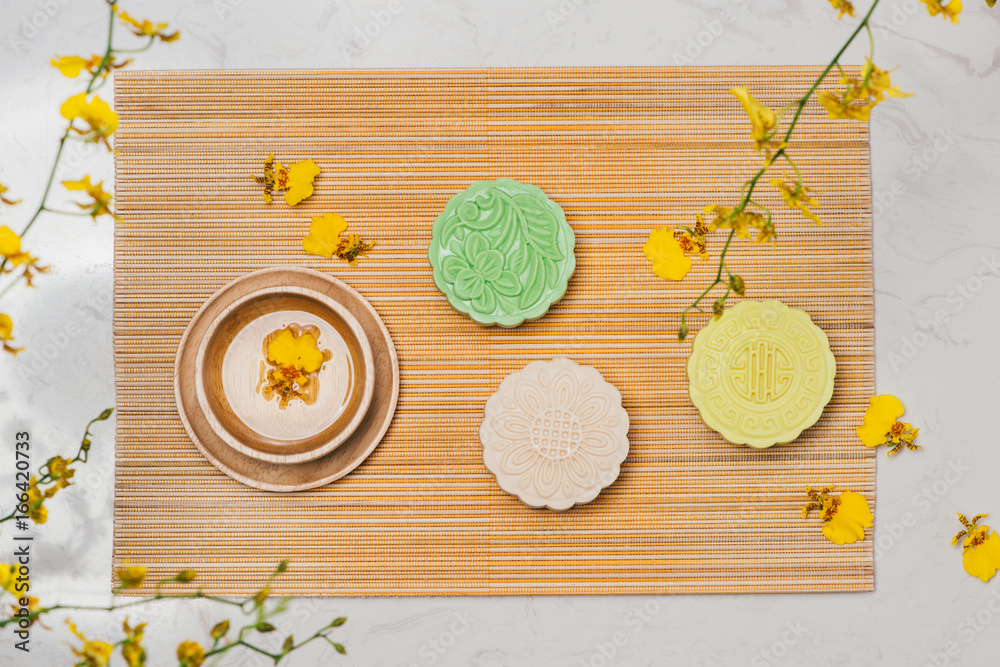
(235, 379)
(308, 474)
(761, 374)
(554, 434)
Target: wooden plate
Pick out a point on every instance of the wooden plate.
(297, 476)
(230, 374)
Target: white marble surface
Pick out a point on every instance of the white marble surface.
(936, 251)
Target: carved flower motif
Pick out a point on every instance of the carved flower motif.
(555, 434)
(478, 273)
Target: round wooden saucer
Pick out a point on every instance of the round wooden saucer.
(309, 474)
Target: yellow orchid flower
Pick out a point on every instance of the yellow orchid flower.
(132, 651)
(980, 549)
(741, 222)
(36, 497)
(878, 84)
(295, 181)
(92, 653)
(880, 425)
(97, 114)
(844, 7)
(860, 94)
(324, 235)
(71, 66)
(101, 200)
(9, 202)
(664, 251)
(797, 198)
(8, 576)
(948, 11)
(845, 517)
(7, 334)
(131, 576)
(10, 246)
(191, 654)
(147, 28)
(762, 119)
(10, 251)
(324, 240)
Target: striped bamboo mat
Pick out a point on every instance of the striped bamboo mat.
(622, 150)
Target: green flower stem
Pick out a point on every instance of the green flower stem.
(746, 192)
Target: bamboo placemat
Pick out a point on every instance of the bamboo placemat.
(622, 150)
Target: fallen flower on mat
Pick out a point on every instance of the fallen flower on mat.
(980, 549)
(880, 426)
(845, 517)
(324, 240)
(667, 255)
(295, 181)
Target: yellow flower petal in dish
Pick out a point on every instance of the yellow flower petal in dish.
(666, 254)
(301, 352)
(300, 181)
(882, 413)
(324, 235)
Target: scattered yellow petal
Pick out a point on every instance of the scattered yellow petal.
(847, 524)
(948, 11)
(324, 235)
(980, 549)
(762, 119)
(300, 181)
(845, 517)
(663, 250)
(882, 412)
